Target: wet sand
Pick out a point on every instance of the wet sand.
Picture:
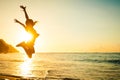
(12, 77)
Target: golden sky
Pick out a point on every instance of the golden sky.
(65, 25)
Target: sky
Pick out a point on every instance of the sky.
(64, 25)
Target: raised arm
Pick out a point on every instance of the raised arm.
(24, 9)
(19, 23)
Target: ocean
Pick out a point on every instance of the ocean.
(60, 66)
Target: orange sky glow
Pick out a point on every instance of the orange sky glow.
(64, 25)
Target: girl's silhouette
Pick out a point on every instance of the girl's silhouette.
(29, 24)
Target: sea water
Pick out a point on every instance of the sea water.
(61, 66)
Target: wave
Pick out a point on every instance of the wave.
(13, 60)
(113, 61)
(101, 61)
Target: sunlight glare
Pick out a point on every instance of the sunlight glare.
(25, 36)
(26, 67)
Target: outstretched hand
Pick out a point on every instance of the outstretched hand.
(23, 7)
(16, 20)
(35, 22)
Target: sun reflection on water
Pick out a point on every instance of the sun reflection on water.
(26, 68)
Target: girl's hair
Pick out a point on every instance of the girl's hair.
(29, 22)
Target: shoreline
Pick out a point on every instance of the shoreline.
(13, 77)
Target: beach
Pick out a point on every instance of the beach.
(60, 66)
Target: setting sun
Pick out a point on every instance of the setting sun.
(25, 36)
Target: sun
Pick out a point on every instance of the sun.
(25, 36)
